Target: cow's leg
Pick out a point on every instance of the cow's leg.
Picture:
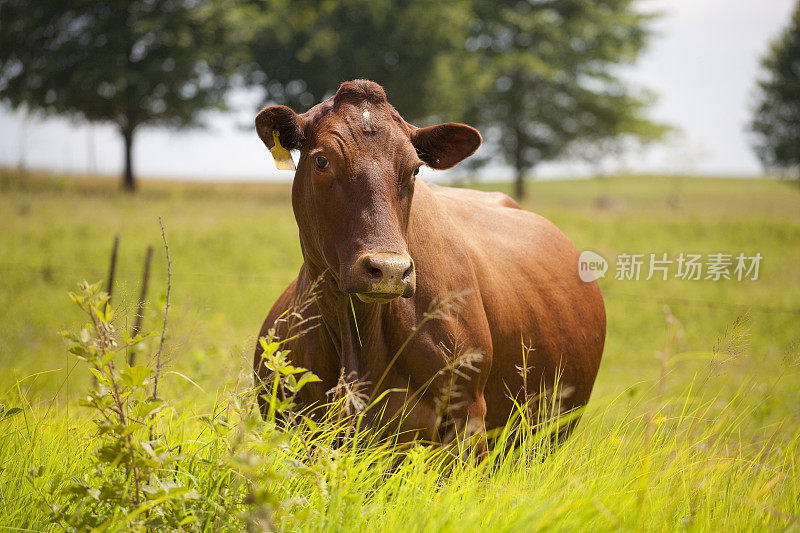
(475, 429)
(468, 430)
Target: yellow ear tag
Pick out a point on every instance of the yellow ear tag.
(283, 159)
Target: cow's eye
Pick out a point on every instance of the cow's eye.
(416, 171)
(321, 162)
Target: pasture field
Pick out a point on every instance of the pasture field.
(694, 421)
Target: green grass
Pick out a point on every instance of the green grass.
(668, 441)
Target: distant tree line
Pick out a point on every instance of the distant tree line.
(776, 117)
(538, 77)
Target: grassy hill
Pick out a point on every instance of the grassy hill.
(718, 347)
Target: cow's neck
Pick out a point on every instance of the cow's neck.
(358, 330)
(355, 328)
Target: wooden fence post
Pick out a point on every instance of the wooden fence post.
(137, 324)
(113, 268)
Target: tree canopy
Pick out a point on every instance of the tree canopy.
(538, 77)
(776, 118)
(548, 83)
(126, 62)
(302, 50)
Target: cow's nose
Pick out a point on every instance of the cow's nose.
(388, 269)
(388, 273)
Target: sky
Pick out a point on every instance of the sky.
(702, 64)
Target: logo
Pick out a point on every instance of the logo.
(591, 266)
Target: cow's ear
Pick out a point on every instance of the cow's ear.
(281, 129)
(445, 145)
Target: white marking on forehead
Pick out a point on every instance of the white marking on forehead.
(367, 123)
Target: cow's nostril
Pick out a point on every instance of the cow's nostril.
(384, 272)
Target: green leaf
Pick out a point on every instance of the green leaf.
(190, 519)
(147, 408)
(101, 378)
(308, 377)
(101, 316)
(103, 300)
(107, 358)
(268, 347)
(135, 376)
(11, 412)
(80, 351)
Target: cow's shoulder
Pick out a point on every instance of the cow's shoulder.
(500, 243)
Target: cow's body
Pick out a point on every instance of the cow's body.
(516, 277)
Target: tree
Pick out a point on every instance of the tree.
(127, 62)
(547, 82)
(536, 75)
(302, 50)
(776, 118)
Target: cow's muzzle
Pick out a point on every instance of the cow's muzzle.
(382, 277)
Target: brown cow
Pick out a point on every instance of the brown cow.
(390, 249)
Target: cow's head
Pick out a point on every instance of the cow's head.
(354, 183)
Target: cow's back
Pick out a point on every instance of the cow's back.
(496, 198)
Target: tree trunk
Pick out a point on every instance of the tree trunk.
(519, 184)
(128, 183)
(519, 160)
(520, 169)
